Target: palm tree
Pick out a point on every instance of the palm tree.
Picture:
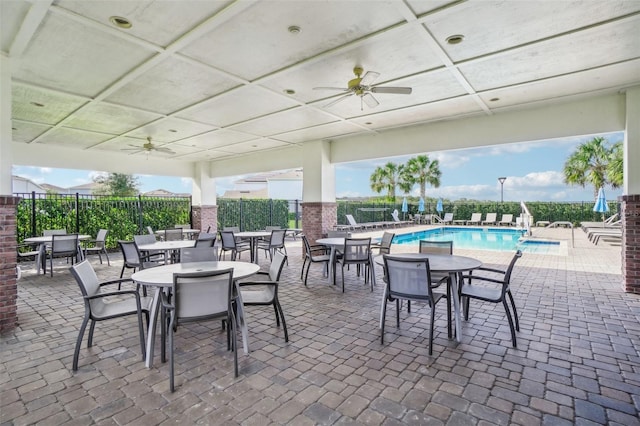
(423, 171)
(594, 163)
(386, 179)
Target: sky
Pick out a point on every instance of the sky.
(533, 171)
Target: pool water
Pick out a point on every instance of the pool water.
(500, 239)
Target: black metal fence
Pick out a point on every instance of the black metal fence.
(127, 216)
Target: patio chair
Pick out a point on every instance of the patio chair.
(490, 219)
(173, 234)
(231, 243)
(49, 232)
(447, 219)
(150, 230)
(133, 259)
(198, 254)
(437, 279)
(397, 221)
(197, 297)
(185, 226)
(356, 251)
(31, 252)
(149, 255)
(316, 253)
(63, 246)
(384, 246)
(476, 218)
(206, 239)
(100, 306)
(262, 293)
(99, 246)
(507, 220)
(406, 280)
(275, 243)
(491, 293)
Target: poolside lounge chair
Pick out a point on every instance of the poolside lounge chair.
(490, 219)
(611, 221)
(447, 219)
(396, 219)
(476, 218)
(507, 219)
(353, 225)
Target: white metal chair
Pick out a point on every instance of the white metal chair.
(63, 246)
(99, 246)
(99, 305)
(201, 296)
(316, 253)
(356, 251)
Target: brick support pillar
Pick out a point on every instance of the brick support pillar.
(205, 216)
(8, 258)
(630, 243)
(317, 219)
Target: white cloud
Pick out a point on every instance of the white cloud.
(450, 159)
(547, 179)
(45, 170)
(186, 182)
(92, 175)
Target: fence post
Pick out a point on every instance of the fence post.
(297, 213)
(77, 213)
(270, 211)
(241, 217)
(140, 213)
(33, 213)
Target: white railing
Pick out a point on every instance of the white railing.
(526, 219)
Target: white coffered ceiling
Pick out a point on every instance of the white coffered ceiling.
(209, 79)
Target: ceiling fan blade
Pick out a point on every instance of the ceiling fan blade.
(395, 90)
(163, 149)
(368, 78)
(331, 88)
(370, 100)
(340, 99)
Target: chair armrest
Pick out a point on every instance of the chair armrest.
(497, 271)
(114, 293)
(481, 278)
(117, 281)
(256, 283)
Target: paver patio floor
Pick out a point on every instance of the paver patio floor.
(577, 361)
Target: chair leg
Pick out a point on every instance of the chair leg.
(91, 328)
(384, 316)
(171, 368)
(303, 265)
(431, 326)
(449, 330)
(275, 308)
(141, 329)
(513, 331)
(307, 274)
(76, 352)
(515, 312)
(398, 313)
(234, 343)
(284, 323)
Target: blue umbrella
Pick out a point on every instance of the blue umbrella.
(421, 205)
(405, 206)
(439, 208)
(601, 205)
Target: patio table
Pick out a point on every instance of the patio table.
(45, 240)
(253, 237)
(167, 246)
(161, 277)
(443, 263)
(188, 232)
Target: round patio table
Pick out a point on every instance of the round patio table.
(161, 277)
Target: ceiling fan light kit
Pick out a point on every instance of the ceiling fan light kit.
(147, 147)
(363, 87)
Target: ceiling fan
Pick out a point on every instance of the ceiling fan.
(362, 87)
(148, 147)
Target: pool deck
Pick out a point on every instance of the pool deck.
(577, 361)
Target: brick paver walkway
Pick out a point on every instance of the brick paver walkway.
(577, 362)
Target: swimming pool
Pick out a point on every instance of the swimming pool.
(500, 239)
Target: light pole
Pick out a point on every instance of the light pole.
(502, 179)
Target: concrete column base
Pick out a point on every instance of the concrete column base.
(317, 219)
(8, 259)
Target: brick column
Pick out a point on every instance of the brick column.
(317, 219)
(205, 216)
(630, 243)
(8, 258)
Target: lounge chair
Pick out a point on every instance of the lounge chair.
(396, 219)
(448, 218)
(507, 219)
(490, 219)
(611, 221)
(476, 218)
(353, 225)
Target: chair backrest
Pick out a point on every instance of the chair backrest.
(276, 266)
(49, 232)
(173, 234)
(101, 238)
(507, 218)
(201, 295)
(64, 244)
(408, 278)
(277, 238)
(231, 228)
(130, 253)
(271, 228)
(150, 230)
(448, 217)
(228, 240)
(198, 254)
(338, 234)
(436, 247)
(307, 246)
(357, 249)
(206, 239)
(507, 274)
(88, 282)
(491, 217)
(476, 217)
(351, 220)
(385, 242)
(144, 239)
(185, 226)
